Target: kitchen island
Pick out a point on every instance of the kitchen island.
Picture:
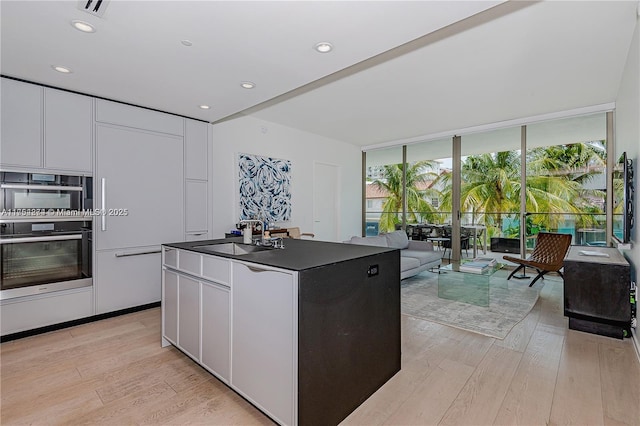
(305, 333)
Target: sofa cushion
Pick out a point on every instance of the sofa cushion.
(379, 241)
(397, 239)
(408, 263)
(422, 256)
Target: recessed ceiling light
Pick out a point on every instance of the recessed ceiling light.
(324, 47)
(85, 27)
(205, 106)
(248, 84)
(186, 42)
(63, 70)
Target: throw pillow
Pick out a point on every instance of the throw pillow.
(397, 239)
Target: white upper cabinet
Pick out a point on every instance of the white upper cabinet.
(196, 173)
(138, 118)
(197, 152)
(67, 136)
(45, 129)
(21, 138)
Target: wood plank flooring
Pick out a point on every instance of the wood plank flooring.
(114, 372)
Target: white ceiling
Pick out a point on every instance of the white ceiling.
(459, 64)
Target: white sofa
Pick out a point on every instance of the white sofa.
(415, 256)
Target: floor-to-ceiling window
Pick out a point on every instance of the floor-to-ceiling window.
(428, 182)
(564, 181)
(566, 178)
(383, 190)
(490, 188)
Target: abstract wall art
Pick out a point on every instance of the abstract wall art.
(265, 188)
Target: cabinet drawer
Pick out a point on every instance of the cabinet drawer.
(189, 262)
(216, 269)
(50, 308)
(126, 281)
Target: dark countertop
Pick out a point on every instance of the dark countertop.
(297, 255)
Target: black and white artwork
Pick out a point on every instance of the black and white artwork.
(265, 188)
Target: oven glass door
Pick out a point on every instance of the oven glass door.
(32, 197)
(39, 260)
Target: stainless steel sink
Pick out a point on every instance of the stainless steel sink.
(231, 248)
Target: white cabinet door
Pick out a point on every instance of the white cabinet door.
(142, 174)
(21, 124)
(263, 339)
(189, 316)
(215, 329)
(170, 306)
(197, 152)
(138, 118)
(196, 206)
(67, 131)
(126, 278)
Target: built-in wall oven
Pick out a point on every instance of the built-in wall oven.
(45, 233)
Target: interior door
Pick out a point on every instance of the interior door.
(326, 187)
(141, 174)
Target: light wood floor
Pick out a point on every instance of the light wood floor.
(115, 372)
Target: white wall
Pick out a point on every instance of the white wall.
(253, 136)
(627, 137)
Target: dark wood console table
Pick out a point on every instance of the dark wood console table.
(596, 291)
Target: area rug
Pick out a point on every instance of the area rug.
(509, 302)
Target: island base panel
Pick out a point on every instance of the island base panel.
(348, 335)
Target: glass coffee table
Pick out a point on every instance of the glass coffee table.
(466, 287)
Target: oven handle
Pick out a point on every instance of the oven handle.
(40, 187)
(41, 239)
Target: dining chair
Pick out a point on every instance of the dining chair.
(464, 241)
(295, 233)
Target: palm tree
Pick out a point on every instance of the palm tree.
(491, 185)
(417, 184)
(557, 176)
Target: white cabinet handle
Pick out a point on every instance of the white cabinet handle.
(103, 227)
(254, 269)
(136, 253)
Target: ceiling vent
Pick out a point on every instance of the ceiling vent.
(94, 7)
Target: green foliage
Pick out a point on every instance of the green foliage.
(491, 188)
(418, 209)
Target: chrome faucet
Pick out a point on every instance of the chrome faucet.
(275, 241)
